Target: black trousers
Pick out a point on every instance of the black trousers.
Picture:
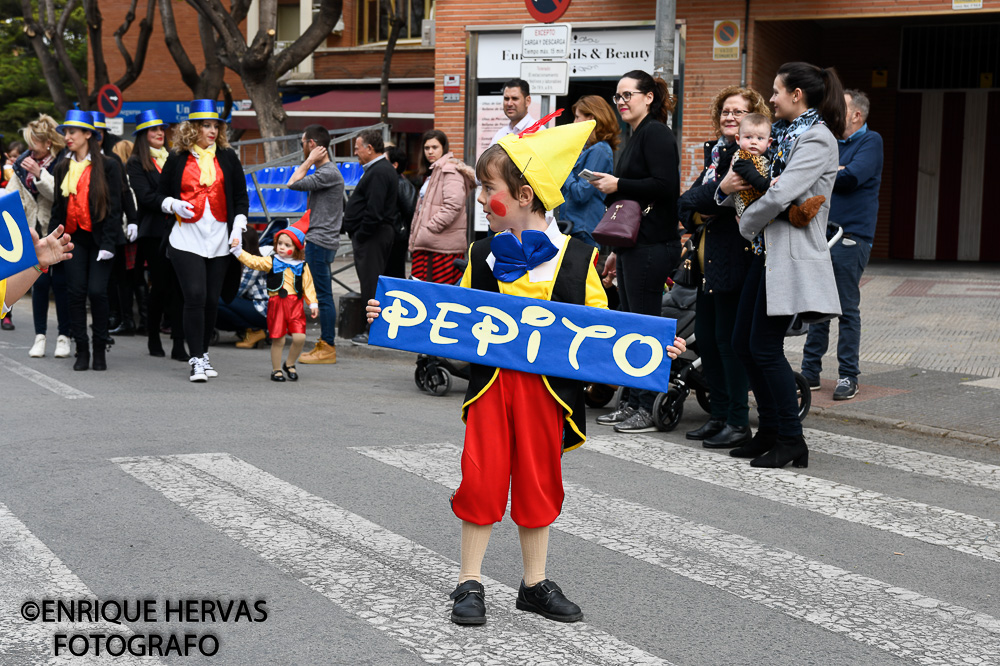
(87, 278)
(201, 280)
(726, 376)
(642, 272)
(164, 291)
(370, 257)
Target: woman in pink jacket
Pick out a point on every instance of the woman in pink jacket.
(438, 233)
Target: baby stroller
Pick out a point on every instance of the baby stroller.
(433, 374)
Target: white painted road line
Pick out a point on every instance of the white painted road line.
(46, 382)
(29, 571)
(398, 586)
(960, 532)
(948, 468)
(899, 621)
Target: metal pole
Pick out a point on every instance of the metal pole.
(663, 52)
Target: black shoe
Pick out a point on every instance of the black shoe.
(711, 427)
(787, 450)
(276, 376)
(82, 356)
(7, 323)
(290, 373)
(100, 358)
(847, 388)
(761, 443)
(155, 347)
(360, 339)
(177, 352)
(813, 382)
(728, 438)
(470, 603)
(548, 600)
(125, 329)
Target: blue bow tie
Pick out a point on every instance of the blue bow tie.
(516, 257)
(278, 266)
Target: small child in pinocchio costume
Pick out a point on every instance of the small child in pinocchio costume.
(519, 424)
(289, 282)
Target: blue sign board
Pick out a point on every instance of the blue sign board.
(169, 112)
(17, 250)
(526, 334)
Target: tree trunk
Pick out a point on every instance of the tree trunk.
(397, 26)
(263, 90)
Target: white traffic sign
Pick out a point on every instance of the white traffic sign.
(545, 41)
(546, 77)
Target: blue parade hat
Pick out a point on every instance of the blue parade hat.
(100, 122)
(146, 120)
(203, 109)
(79, 119)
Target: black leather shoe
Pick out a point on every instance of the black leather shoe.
(177, 352)
(548, 600)
(712, 427)
(276, 376)
(470, 603)
(100, 358)
(786, 450)
(761, 443)
(290, 373)
(155, 347)
(728, 438)
(82, 356)
(125, 329)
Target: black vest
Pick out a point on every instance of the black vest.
(570, 287)
(275, 280)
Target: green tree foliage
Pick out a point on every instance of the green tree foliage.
(23, 90)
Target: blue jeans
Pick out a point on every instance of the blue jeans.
(56, 279)
(239, 315)
(318, 259)
(849, 262)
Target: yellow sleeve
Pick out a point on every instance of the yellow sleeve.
(467, 275)
(307, 286)
(3, 295)
(596, 296)
(255, 262)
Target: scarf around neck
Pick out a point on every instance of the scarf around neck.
(76, 169)
(785, 134)
(159, 156)
(206, 161)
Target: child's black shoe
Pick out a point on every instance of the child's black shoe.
(290, 372)
(548, 600)
(276, 376)
(470, 603)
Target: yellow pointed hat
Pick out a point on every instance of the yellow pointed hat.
(546, 157)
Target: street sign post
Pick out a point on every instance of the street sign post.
(546, 77)
(109, 100)
(545, 42)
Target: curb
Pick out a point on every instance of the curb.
(885, 422)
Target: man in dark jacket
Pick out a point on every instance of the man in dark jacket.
(370, 215)
(854, 206)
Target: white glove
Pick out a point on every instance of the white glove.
(240, 222)
(314, 306)
(131, 232)
(235, 251)
(104, 255)
(182, 209)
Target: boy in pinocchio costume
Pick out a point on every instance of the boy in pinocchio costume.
(289, 282)
(519, 424)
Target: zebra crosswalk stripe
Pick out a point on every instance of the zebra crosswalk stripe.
(935, 465)
(961, 532)
(894, 619)
(398, 586)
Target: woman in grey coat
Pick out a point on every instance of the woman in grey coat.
(791, 272)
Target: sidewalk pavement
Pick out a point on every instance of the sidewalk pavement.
(930, 350)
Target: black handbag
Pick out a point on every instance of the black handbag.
(686, 275)
(620, 225)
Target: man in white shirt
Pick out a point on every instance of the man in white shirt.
(516, 100)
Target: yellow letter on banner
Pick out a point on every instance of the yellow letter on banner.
(622, 345)
(597, 331)
(440, 321)
(395, 314)
(16, 251)
(486, 331)
(536, 315)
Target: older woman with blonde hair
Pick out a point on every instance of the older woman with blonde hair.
(202, 184)
(723, 260)
(584, 205)
(33, 180)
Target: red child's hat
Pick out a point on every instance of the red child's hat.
(296, 232)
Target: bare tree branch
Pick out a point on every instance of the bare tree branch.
(320, 28)
(35, 32)
(92, 14)
(134, 67)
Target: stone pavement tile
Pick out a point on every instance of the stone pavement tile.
(824, 396)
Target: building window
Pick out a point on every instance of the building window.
(373, 19)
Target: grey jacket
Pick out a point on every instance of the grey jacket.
(799, 274)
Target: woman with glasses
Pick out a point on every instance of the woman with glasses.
(791, 273)
(648, 172)
(723, 260)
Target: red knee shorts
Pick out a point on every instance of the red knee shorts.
(284, 316)
(513, 439)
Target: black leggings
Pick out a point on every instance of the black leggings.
(201, 283)
(164, 292)
(86, 277)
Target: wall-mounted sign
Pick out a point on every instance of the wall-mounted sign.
(966, 4)
(546, 77)
(726, 40)
(545, 41)
(452, 88)
(595, 54)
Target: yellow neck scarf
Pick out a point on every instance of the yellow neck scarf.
(159, 155)
(76, 170)
(206, 160)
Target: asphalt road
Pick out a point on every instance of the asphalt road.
(325, 502)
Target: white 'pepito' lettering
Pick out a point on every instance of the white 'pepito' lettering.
(600, 331)
(440, 321)
(536, 315)
(621, 348)
(396, 314)
(486, 331)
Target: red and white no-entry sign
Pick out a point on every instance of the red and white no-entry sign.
(547, 11)
(109, 100)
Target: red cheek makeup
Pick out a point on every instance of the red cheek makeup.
(497, 205)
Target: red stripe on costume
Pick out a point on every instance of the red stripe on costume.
(435, 267)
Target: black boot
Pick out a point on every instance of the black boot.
(728, 437)
(101, 347)
(142, 301)
(154, 345)
(787, 450)
(761, 443)
(177, 352)
(470, 603)
(547, 599)
(126, 328)
(711, 427)
(82, 356)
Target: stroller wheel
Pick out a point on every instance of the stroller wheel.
(668, 409)
(438, 382)
(420, 375)
(703, 400)
(598, 395)
(803, 395)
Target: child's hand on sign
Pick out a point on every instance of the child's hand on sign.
(676, 349)
(373, 310)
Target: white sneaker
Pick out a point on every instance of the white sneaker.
(207, 365)
(197, 370)
(62, 347)
(38, 349)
